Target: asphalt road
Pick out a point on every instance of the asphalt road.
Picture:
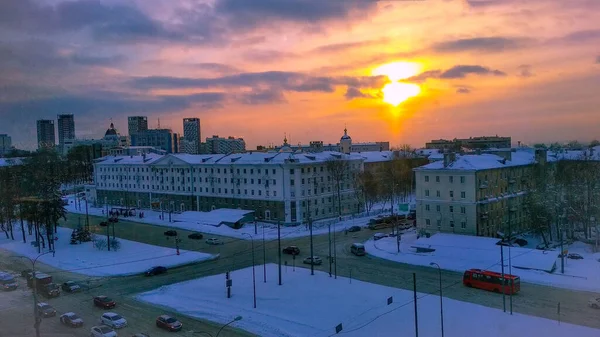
(533, 299)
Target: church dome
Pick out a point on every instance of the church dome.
(345, 136)
(111, 132)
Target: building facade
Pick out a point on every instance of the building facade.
(66, 128)
(163, 139)
(5, 144)
(286, 187)
(46, 138)
(491, 142)
(479, 195)
(219, 145)
(191, 136)
(137, 124)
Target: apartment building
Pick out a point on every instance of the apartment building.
(485, 142)
(475, 194)
(45, 134)
(280, 186)
(163, 139)
(220, 145)
(5, 144)
(136, 124)
(191, 139)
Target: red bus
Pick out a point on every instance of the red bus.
(491, 281)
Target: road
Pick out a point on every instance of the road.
(533, 299)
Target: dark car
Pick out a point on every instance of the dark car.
(575, 256)
(71, 319)
(155, 271)
(141, 334)
(104, 302)
(354, 229)
(45, 310)
(168, 323)
(8, 282)
(170, 233)
(412, 215)
(70, 287)
(25, 273)
(195, 236)
(291, 250)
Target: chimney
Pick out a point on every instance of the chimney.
(449, 158)
(541, 156)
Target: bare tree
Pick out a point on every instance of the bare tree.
(339, 171)
(367, 189)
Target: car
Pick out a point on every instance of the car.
(169, 323)
(45, 310)
(113, 320)
(140, 334)
(155, 271)
(291, 250)
(575, 256)
(25, 273)
(214, 241)
(315, 260)
(8, 282)
(594, 303)
(195, 236)
(102, 331)
(71, 319)
(104, 302)
(379, 236)
(71, 287)
(171, 233)
(354, 229)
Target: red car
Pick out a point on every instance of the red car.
(168, 323)
(104, 302)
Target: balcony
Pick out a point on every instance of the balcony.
(484, 216)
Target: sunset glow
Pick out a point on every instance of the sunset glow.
(396, 71)
(397, 92)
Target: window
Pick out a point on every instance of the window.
(291, 182)
(437, 179)
(451, 194)
(451, 209)
(439, 223)
(463, 194)
(427, 222)
(302, 181)
(437, 193)
(451, 179)
(275, 193)
(291, 171)
(438, 208)
(451, 224)
(463, 224)
(426, 193)
(426, 179)
(462, 180)
(463, 209)
(426, 207)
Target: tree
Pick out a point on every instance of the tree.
(594, 143)
(339, 171)
(367, 188)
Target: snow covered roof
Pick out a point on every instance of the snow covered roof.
(130, 160)
(588, 154)
(375, 156)
(11, 161)
(482, 162)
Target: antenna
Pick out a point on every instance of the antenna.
(159, 123)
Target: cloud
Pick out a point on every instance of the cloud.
(582, 36)
(481, 44)
(267, 55)
(525, 70)
(257, 97)
(219, 68)
(598, 59)
(88, 60)
(353, 92)
(461, 71)
(339, 47)
(462, 89)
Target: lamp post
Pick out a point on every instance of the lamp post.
(237, 318)
(441, 297)
(36, 315)
(253, 268)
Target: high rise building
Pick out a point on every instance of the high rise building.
(5, 143)
(217, 144)
(137, 124)
(191, 136)
(45, 134)
(163, 139)
(66, 128)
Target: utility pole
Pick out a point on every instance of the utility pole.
(279, 247)
(329, 237)
(503, 279)
(415, 302)
(87, 216)
(265, 255)
(334, 253)
(310, 227)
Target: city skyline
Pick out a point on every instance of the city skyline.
(524, 69)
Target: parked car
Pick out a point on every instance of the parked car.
(171, 233)
(291, 250)
(71, 287)
(214, 241)
(195, 236)
(102, 331)
(113, 320)
(168, 323)
(315, 260)
(71, 319)
(156, 271)
(45, 310)
(104, 302)
(25, 273)
(594, 303)
(379, 236)
(141, 334)
(8, 282)
(575, 256)
(354, 229)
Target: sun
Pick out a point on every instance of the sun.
(397, 92)
(396, 71)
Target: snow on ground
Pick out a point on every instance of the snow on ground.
(308, 305)
(132, 258)
(461, 252)
(185, 221)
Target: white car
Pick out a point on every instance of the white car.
(379, 236)
(214, 241)
(113, 320)
(315, 260)
(102, 331)
(594, 303)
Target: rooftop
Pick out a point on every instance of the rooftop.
(473, 162)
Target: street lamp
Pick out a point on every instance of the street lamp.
(237, 318)
(36, 315)
(441, 298)
(253, 268)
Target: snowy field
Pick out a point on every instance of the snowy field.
(185, 221)
(308, 305)
(132, 258)
(461, 252)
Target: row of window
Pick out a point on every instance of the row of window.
(438, 208)
(438, 194)
(183, 189)
(184, 170)
(463, 223)
(450, 179)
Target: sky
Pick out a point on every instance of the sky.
(259, 69)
